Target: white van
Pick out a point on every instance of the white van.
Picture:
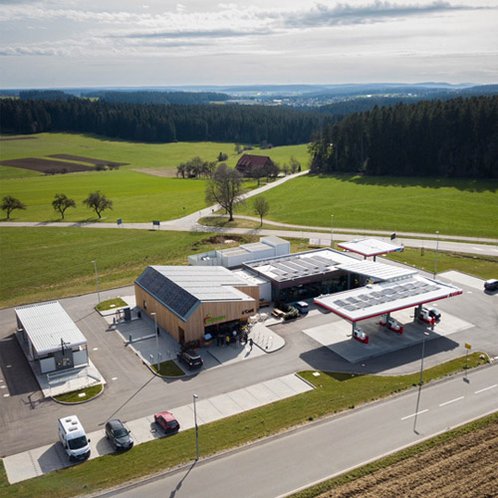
(73, 438)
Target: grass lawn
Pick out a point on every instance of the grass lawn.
(333, 393)
(80, 395)
(452, 206)
(110, 304)
(50, 263)
(137, 197)
(480, 266)
(168, 369)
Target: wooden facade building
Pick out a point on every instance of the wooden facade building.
(190, 301)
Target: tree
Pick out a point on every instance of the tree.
(61, 202)
(225, 188)
(261, 207)
(10, 203)
(98, 202)
(295, 165)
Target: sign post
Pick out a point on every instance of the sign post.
(468, 347)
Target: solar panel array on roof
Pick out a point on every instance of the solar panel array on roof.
(164, 290)
(388, 294)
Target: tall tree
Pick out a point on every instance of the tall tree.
(98, 202)
(61, 202)
(261, 208)
(10, 203)
(225, 188)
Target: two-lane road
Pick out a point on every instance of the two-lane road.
(285, 463)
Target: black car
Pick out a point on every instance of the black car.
(491, 285)
(118, 435)
(190, 358)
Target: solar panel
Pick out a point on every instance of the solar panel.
(162, 288)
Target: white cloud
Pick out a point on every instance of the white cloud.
(289, 39)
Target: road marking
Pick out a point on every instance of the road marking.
(451, 401)
(477, 248)
(114, 378)
(6, 395)
(415, 414)
(485, 389)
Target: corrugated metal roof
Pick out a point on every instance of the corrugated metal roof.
(379, 271)
(47, 324)
(182, 288)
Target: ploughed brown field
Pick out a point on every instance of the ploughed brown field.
(464, 467)
(89, 160)
(46, 165)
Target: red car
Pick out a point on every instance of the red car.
(167, 421)
(391, 324)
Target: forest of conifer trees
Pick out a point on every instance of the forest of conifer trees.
(453, 138)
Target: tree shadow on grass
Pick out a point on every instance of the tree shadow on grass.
(463, 184)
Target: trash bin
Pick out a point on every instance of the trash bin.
(127, 314)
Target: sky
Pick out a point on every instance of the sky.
(73, 43)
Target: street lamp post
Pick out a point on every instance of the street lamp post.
(96, 278)
(194, 396)
(437, 253)
(332, 231)
(153, 313)
(422, 359)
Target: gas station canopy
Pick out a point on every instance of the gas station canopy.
(386, 297)
(370, 247)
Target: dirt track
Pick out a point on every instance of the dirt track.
(464, 467)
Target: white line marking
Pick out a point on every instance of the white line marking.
(451, 401)
(485, 389)
(477, 248)
(114, 378)
(415, 414)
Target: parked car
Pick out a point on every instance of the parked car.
(302, 307)
(118, 435)
(491, 285)
(167, 422)
(360, 335)
(391, 324)
(190, 358)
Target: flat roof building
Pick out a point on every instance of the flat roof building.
(49, 338)
(370, 247)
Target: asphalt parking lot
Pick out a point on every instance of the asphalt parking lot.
(133, 392)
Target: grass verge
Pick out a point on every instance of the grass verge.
(334, 392)
(366, 470)
(81, 395)
(168, 369)
(110, 304)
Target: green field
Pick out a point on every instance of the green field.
(50, 263)
(137, 197)
(451, 206)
